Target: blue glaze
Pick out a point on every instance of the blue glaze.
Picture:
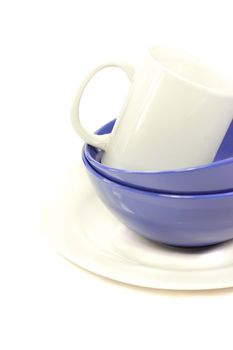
(226, 148)
(213, 177)
(178, 220)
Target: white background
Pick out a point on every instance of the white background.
(46, 48)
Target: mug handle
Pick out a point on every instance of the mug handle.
(99, 141)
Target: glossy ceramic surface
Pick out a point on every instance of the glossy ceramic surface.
(226, 147)
(175, 115)
(214, 177)
(85, 232)
(190, 221)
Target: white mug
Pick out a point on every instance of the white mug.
(175, 115)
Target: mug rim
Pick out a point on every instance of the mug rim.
(194, 59)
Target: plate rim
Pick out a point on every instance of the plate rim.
(162, 278)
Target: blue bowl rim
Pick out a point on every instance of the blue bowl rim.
(166, 172)
(151, 193)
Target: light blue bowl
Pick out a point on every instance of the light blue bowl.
(211, 178)
(178, 220)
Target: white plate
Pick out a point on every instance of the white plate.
(87, 234)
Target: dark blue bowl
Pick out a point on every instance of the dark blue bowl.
(211, 178)
(178, 220)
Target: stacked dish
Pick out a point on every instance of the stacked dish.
(165, 168)
(187, 207)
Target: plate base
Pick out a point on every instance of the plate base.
(87, 234)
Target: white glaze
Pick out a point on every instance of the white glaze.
(87, 234)
(176, 114)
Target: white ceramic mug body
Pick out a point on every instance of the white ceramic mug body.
(175, 115)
